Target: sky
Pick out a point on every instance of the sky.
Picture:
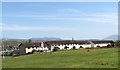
(66, 20)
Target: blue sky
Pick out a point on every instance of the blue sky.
(81, 20)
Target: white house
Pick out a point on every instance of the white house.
(77, 44)
(25, 48)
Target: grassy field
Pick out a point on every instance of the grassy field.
(84, 58)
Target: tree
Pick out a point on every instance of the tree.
(66, 47)
(117, 43)
(74, 47)
(98, 46)
(56, 49)
(29, 41)
(81, 47)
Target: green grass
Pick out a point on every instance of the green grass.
(94, 58)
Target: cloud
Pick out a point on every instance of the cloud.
(1, 26)
(14, 27)
(110, 18)
(60, 0)
(1, 30)
(69, 10)
(98, 18)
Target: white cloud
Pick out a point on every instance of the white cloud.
(7, 27)
(1, 30)
(110, 18)
(69, 10)
(60, 0)
(1, 26)
(98, 18)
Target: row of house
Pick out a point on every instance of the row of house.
(80, 44)
(47, 46)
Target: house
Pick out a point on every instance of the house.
(103, 43)
(47, 46)
(69, 44)
(28, 48)
(77, 44)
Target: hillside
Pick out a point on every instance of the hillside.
(44, 39)
(94, 58)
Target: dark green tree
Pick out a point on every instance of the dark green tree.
(56, 49)
(117, 43)
(29, 41)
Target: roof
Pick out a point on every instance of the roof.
(79, 42)
(68, 42)
(48, 43)
(102, 41)
(30, 44)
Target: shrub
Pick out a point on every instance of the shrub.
(87, 48)
(117, 43)
(33, 51)
(74, 48)
(66, 47)
(81, 47)
(56, 49)
(98, 46)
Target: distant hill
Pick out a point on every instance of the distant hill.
(44, 39)
(112, 37)
(18, 40)
(32, 39)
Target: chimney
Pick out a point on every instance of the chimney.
(42, 44)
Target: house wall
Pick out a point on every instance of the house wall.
(101, 45)
(38, 48)
(86, 45)
(45, 49)
(70, 46)
(29, 50)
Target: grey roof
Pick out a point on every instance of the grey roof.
(30, 45)
(102, 41)
(79, 41)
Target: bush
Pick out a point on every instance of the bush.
(108, 46)
(66, 47)
(81, 47)
(98, 46)
(117, 43)
(56, 49)
(74, 48)
(87, 48)
(33, 51)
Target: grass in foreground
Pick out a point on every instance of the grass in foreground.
(94, 58)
